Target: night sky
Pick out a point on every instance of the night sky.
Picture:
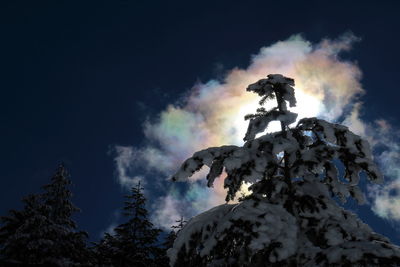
(81, 77)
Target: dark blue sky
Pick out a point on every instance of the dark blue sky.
(73, 75)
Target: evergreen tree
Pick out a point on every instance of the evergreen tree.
(43, 232)
(69, 243)
(134, 242)
(290, 218)
(163, 260)
(106, 251)
(169, 240)
(20, 238)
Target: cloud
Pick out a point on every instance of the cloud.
(384, 138)
(386, 197)
(212, 115)
(124, 164)
(187, 202)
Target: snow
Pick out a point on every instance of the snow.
(260, 123)
(289, 95)
(196, 225)
(306, 155)
(341, 234)
(276, 225)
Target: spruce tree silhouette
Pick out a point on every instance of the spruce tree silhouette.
(43, 232)
(134, 242)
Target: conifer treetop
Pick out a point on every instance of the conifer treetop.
(57, 197)
(134, 242)
(278, 87)
(305, 152)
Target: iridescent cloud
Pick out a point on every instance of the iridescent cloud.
(212, 115)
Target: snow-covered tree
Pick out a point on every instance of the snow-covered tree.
(43, 232)
(291, 217)
(134, 242)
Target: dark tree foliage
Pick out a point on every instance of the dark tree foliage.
(180, 224)
(20, 238)
(290, 218)
(162, 260)
(169, 240)
(43, 232)
(133, 243)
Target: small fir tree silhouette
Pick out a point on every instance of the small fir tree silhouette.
(134, 242)
(180, 224)
(163, 259)
(290, 217)
(43, 232)
(71, 243)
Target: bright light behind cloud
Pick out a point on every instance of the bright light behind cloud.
(212, 115)
(307, 106)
